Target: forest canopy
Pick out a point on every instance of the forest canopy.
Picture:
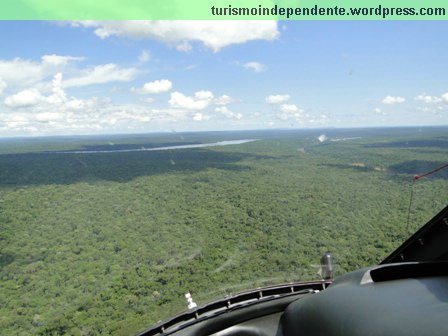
(108, 243)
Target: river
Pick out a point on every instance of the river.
(143, 149)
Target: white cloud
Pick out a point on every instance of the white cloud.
(76, 104)
(254, 66)
(390, 100)
(24, 98)
(28, 80)
(144, 57)
(290, 111)
(212, 34)
(289, 108)
(101, 74)
(428, 99)
(58, 60)
(58, 95)
(229, 114)
(49, 116)
(277, 99)
(432, 99)
(200, 101)
(3, 85)
(74, 116)
(57, 101)
(445, 97)
(22, 72)
(204, 95)
(158, 86)
(223, 100)
(200, 117)
(14, 121)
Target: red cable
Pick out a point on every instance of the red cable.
(416, 177)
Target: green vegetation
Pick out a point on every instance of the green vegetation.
(108, 243)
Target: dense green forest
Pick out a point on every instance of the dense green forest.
(108, 243)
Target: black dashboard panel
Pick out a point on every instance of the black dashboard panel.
(255, 312)
(393, 299)
(262, 326)
(376, 302)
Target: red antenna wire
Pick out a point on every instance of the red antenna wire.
(416, 178)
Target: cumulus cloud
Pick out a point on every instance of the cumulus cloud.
(223, 100)
(432, 99)
(158, 86)
(96, 117)
(288, 111)
(22, 72)
(445, 97)
(228, 113)
(277, 99)
(25, 98)
(200, 117)
(428, 99)
(289, 108)
(58, 113)
(49, 116)
(204, 95)
(390, 100)
(200, 101)
(58, 95)
(14, 121)
(254, 66)
(212, 34)
(78, 104)
(58, 99)
(101, 74)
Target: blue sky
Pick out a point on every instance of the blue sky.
(133, 77)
